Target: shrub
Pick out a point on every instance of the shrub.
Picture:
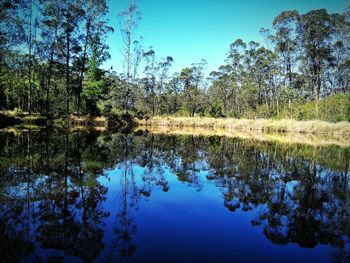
(182, 113)
(105, 107)
(235, 114)
(216, 110)
(264, 111)
(335, 108)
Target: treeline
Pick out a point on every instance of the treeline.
(53, 51)
(306, 57)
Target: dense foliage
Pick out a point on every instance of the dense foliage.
(52, 54)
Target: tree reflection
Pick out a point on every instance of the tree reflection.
(125, 227)
(50, 199)
(297, 200)
(51, 195)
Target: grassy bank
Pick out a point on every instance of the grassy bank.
(334, 108)
(340, 129)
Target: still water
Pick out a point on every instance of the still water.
(138, 197)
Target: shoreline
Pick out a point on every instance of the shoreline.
(314, 127)
(285, 131)
(284, 138)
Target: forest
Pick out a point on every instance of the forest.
(53, 52)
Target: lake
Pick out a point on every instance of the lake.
(142, 197)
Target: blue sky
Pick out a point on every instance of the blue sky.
(191, 30)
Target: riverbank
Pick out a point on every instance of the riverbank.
(316, 127)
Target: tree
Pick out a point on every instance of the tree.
(72, 14)
(48, 50)
(156, 74)
(315, 32)
(93, 43)
(173, 91)
(163, 69)
(338, 68)
(130, 18)
(93, 87)
(223, 90)
(285, 41)
(150, 81)
(193, 95)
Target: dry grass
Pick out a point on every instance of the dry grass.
(340, 129)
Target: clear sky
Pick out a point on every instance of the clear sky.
(191, 30)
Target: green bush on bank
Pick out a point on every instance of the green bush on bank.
(335, 108)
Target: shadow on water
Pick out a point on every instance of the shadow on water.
(78, 195)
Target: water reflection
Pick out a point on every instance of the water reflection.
(58, 200)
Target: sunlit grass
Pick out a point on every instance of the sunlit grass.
(262, 125)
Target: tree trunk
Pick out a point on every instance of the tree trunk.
(80, 88)
(318, 91)
(49, 75)
(30, 60)
(67, 71)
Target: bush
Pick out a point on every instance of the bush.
(264, 111)
(249, 114)
(235, 114)
(216, 110)
(105, 107)
(335, 108)
(182, 113)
